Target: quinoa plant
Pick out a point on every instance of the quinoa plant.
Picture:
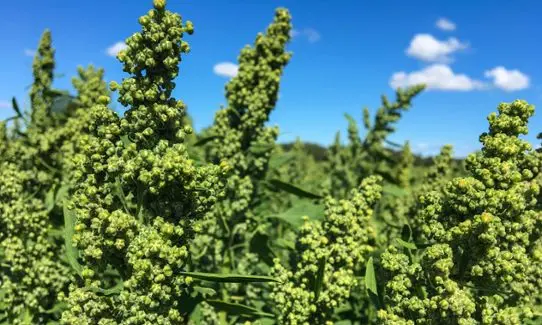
(322, 273)
(243, 143)
(482, 263)
(362, 158)
(138, 193)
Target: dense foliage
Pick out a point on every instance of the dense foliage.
(134, 218)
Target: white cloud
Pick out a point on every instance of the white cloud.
(114, 49)
(311, 34)
(29, 52)
(5, 104)
(427, 48)
(508, 80)
(436, 77)
(226, 69)
(445, 24)
(426, 149)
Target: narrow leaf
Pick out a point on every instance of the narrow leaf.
(284, 243)
(259, 244)
(26, 318)
(277, 161)
(370, 277)
(406, 244)
(237, 309)
(205, 291)
(57, 308)
(406, 233)
(50, 199)
(71, 252)
(62, 193)
(293, 189)
(394, 190)
(343, 322)
(265, 321)
(205, 140)
(294, 216)
(229, 278)
(393, 144)
(261, 148)
(319, 278)
(16, 108)
(61, 103)
(108, 292)
(12, 118)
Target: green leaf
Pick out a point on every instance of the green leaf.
(229, 278)
(25, 318)
(393, 144)
(294, 215)
(343, 322)
(259, 244)
(284, 243)
(237, 309)
(3, 304)
(196, 316)
(265, 321)
(62, 104)
(204, 291)
(56, 233)
(319, 278)
(293, 189)
(16, 108)
(62, 193)
(56, 92)
(205, 140)
(406, 233)
(370, 277)
(394, 190)
(117, 191)
(125, 140)
(108, 292)
(57, 308)
(11, 118)
(72, 253)
(259, 148)
(50, 199)
(406, 244)
(277, 161)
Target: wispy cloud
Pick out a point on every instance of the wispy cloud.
(29, 52)
(311, 34)
(436, 77)
(427, 48)
(508, 80)
(114, 49)
(226, 69)
(445, 24)
(5, 104)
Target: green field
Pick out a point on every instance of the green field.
(135, 218)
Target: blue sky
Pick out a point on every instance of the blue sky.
(346, 54)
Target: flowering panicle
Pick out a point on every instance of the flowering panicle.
(41, 98)
(138, 192)
(31, 274)
(362, 158)
(484, 266)
(243, 142)
(327, 258)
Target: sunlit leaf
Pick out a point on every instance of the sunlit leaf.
(229, 278)
(293, 189)
(237, 309)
